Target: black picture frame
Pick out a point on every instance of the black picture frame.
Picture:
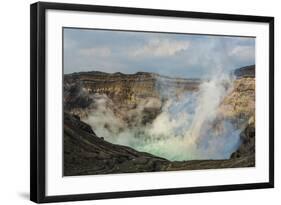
(38, 100)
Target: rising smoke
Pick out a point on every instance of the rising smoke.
(187, 127)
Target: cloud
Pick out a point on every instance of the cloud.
(177, 55)
(95, 52)
(69, 43)
(161, 47)
(243, 52)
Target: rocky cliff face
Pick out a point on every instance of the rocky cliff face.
(127, 95)
(239, 106)
(240, 102)
(125, 89)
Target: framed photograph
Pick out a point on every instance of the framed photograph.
(129, 102)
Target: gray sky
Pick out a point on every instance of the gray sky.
(177, 55)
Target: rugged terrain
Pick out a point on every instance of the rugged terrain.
(87, 153)
(125, 90)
